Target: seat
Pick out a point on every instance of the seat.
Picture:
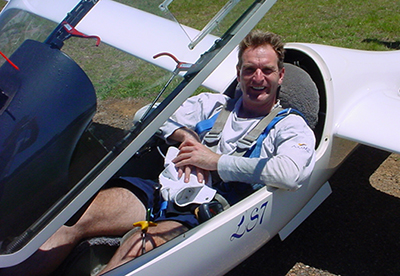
(299, 91)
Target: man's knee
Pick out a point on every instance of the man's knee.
(132, 247)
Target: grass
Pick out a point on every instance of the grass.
(358, 24)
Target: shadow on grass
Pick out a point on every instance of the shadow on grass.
(394, 45)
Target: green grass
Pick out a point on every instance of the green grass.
(358, 24)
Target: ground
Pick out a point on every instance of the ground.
(354, 232)
(117, 112)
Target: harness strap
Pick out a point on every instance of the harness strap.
(255, 150)
(212, 138)
(206, 124)
(217, 124)
(250, 145)
(245, 143)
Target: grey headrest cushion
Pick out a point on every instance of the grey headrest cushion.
(299, 91)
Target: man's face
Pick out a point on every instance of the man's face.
(259, 78)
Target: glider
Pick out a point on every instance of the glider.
(54, 158)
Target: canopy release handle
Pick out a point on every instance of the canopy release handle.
(180, 65)
(74, 32)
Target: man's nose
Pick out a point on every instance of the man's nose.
(258, 75)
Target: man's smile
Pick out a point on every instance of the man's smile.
(258, 88)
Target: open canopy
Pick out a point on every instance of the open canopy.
(55, 150)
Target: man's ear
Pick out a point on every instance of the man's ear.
(238, 73)
(281, 75)
(278, 90)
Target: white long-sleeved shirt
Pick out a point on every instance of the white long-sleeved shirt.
(287, 156)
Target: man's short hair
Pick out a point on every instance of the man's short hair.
(258, 38)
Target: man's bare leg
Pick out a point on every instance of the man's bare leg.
(112, 212)
(156, 236)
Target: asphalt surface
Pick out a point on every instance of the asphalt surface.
(354, 232)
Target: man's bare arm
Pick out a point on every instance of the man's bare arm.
(184, 134)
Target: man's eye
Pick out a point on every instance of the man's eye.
(268, 71)
(249, 70)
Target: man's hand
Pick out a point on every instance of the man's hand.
(194, 155)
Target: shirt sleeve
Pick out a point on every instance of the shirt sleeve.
(192, 111)
(287, 158)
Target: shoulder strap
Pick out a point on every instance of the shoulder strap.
(255, 150)
(250, 145)
(207, 124)
(212, 138)
(247, 141)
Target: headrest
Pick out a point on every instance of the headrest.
(299, 91)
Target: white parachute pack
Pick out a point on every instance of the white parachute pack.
(174, 189)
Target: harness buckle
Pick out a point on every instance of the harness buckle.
(212, 137)
(245, 143)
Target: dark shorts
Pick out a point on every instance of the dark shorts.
(144, 190)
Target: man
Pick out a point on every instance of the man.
(285, 161)
(286, 165)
